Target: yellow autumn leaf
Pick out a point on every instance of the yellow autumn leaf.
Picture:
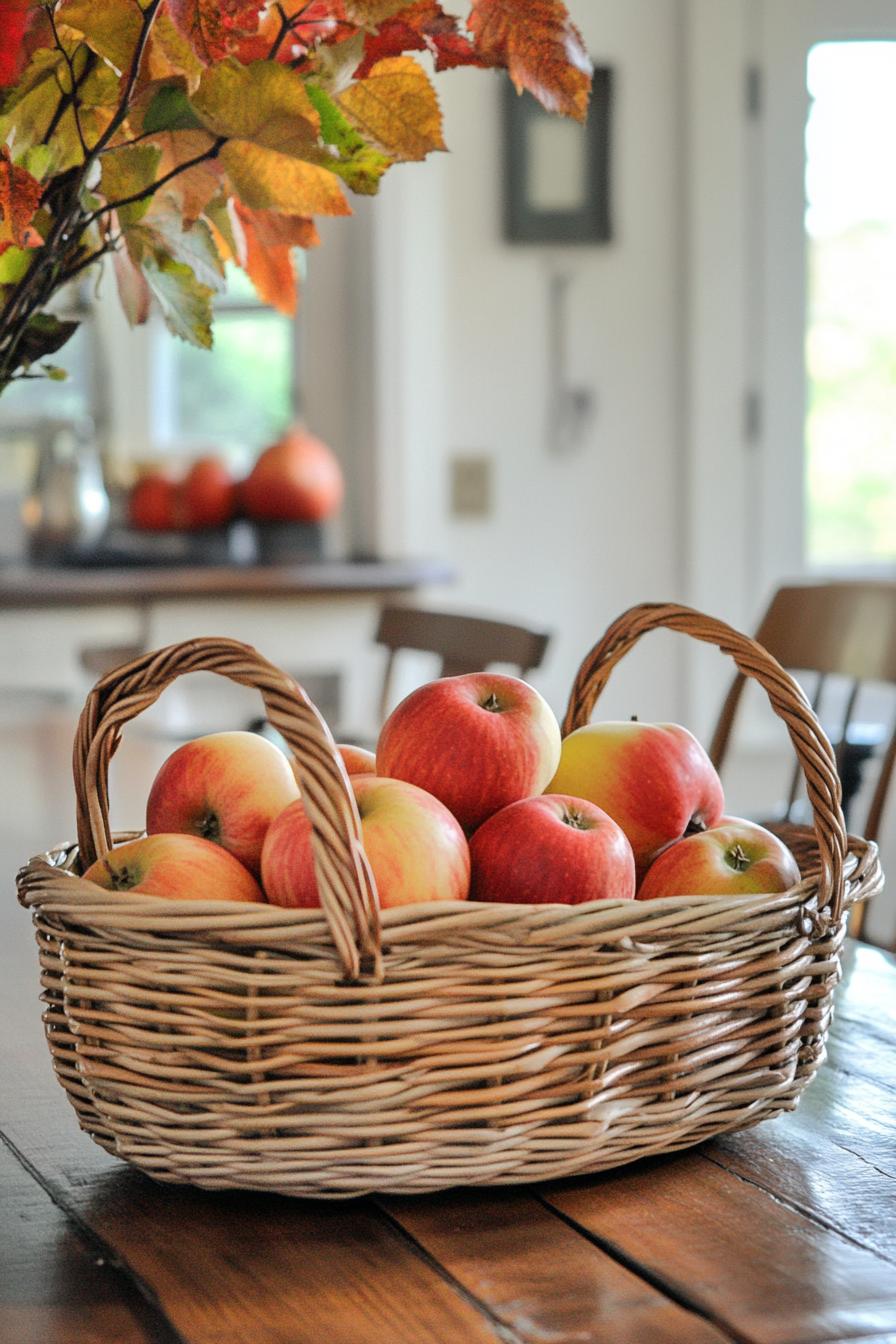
(396, 107)
(262, 102)
(267, 180)
(126, 172)
(110, 29)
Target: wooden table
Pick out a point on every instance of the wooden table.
(781, 1234)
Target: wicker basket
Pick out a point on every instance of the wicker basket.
(341, 1051)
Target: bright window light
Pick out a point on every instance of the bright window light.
(851, 327)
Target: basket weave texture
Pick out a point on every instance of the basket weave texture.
(343, 1051)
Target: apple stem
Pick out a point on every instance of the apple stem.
(122, 879)
(491, 702)
(577, 820)
(738, 859)
(210, 828)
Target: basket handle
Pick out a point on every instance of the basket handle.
(345, 881)
(813, 750)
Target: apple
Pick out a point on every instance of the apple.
(152, 503)
(733, 858)
(180, 867)
(207, 495)
(297, 479)
(416, 848)
(225, 787)
(478, 742)
(553, 849)
(357, 760)
(654, 779)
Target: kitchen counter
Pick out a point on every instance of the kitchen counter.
(27, 587)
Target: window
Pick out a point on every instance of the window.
(851, 328)
(237, 398)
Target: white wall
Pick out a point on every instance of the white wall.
(574, 538)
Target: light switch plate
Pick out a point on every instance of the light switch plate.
(471, 486)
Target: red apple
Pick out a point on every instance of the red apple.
(152, 503)
(357, 760)
(207, 496)
(417, 851)
(477, 742)
(179, 867)
(551, 850)
(297, 479)
(654, 779)
(734, 858)
(226, 787)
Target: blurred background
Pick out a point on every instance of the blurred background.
(576, 370)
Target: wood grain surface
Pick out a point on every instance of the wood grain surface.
(782, 1234)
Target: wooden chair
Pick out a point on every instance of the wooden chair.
(463, 643)
(839, 629)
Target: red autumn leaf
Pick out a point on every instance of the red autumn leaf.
(19, 198)
(14, 19)
(311, 23)
(540, 46)
(215, 28)
(423, 26)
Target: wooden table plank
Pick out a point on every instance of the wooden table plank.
(538, 1276)
(759, 1269)
(56, 1285)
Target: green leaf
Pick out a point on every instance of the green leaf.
(263, 103)
(359, 164)
(54, 372)
(126, 172)
(38, 160)
(185, 304)
(170, 110)
(14, 263)
(163, 233)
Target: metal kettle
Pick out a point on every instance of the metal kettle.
(67, 509)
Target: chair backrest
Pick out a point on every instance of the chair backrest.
(845, 629)
(462, 643)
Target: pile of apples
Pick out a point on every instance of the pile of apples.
(296, 479)
(470, 793)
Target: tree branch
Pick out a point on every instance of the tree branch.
(149, 14)
(72, 77)
(211, 153)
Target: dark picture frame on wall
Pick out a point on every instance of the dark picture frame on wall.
(556, 171)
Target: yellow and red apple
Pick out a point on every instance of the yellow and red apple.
(654, 779)
(551, 850)
(416, 848)
(734, 858)
(476, 742)
(225, 787)
(178, 867)
(357, 760)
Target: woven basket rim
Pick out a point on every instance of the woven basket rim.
(172, 915)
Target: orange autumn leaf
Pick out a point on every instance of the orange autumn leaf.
(369, 13)
(266, 255)
(396, 108)
(541, 48)
(19, 198)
